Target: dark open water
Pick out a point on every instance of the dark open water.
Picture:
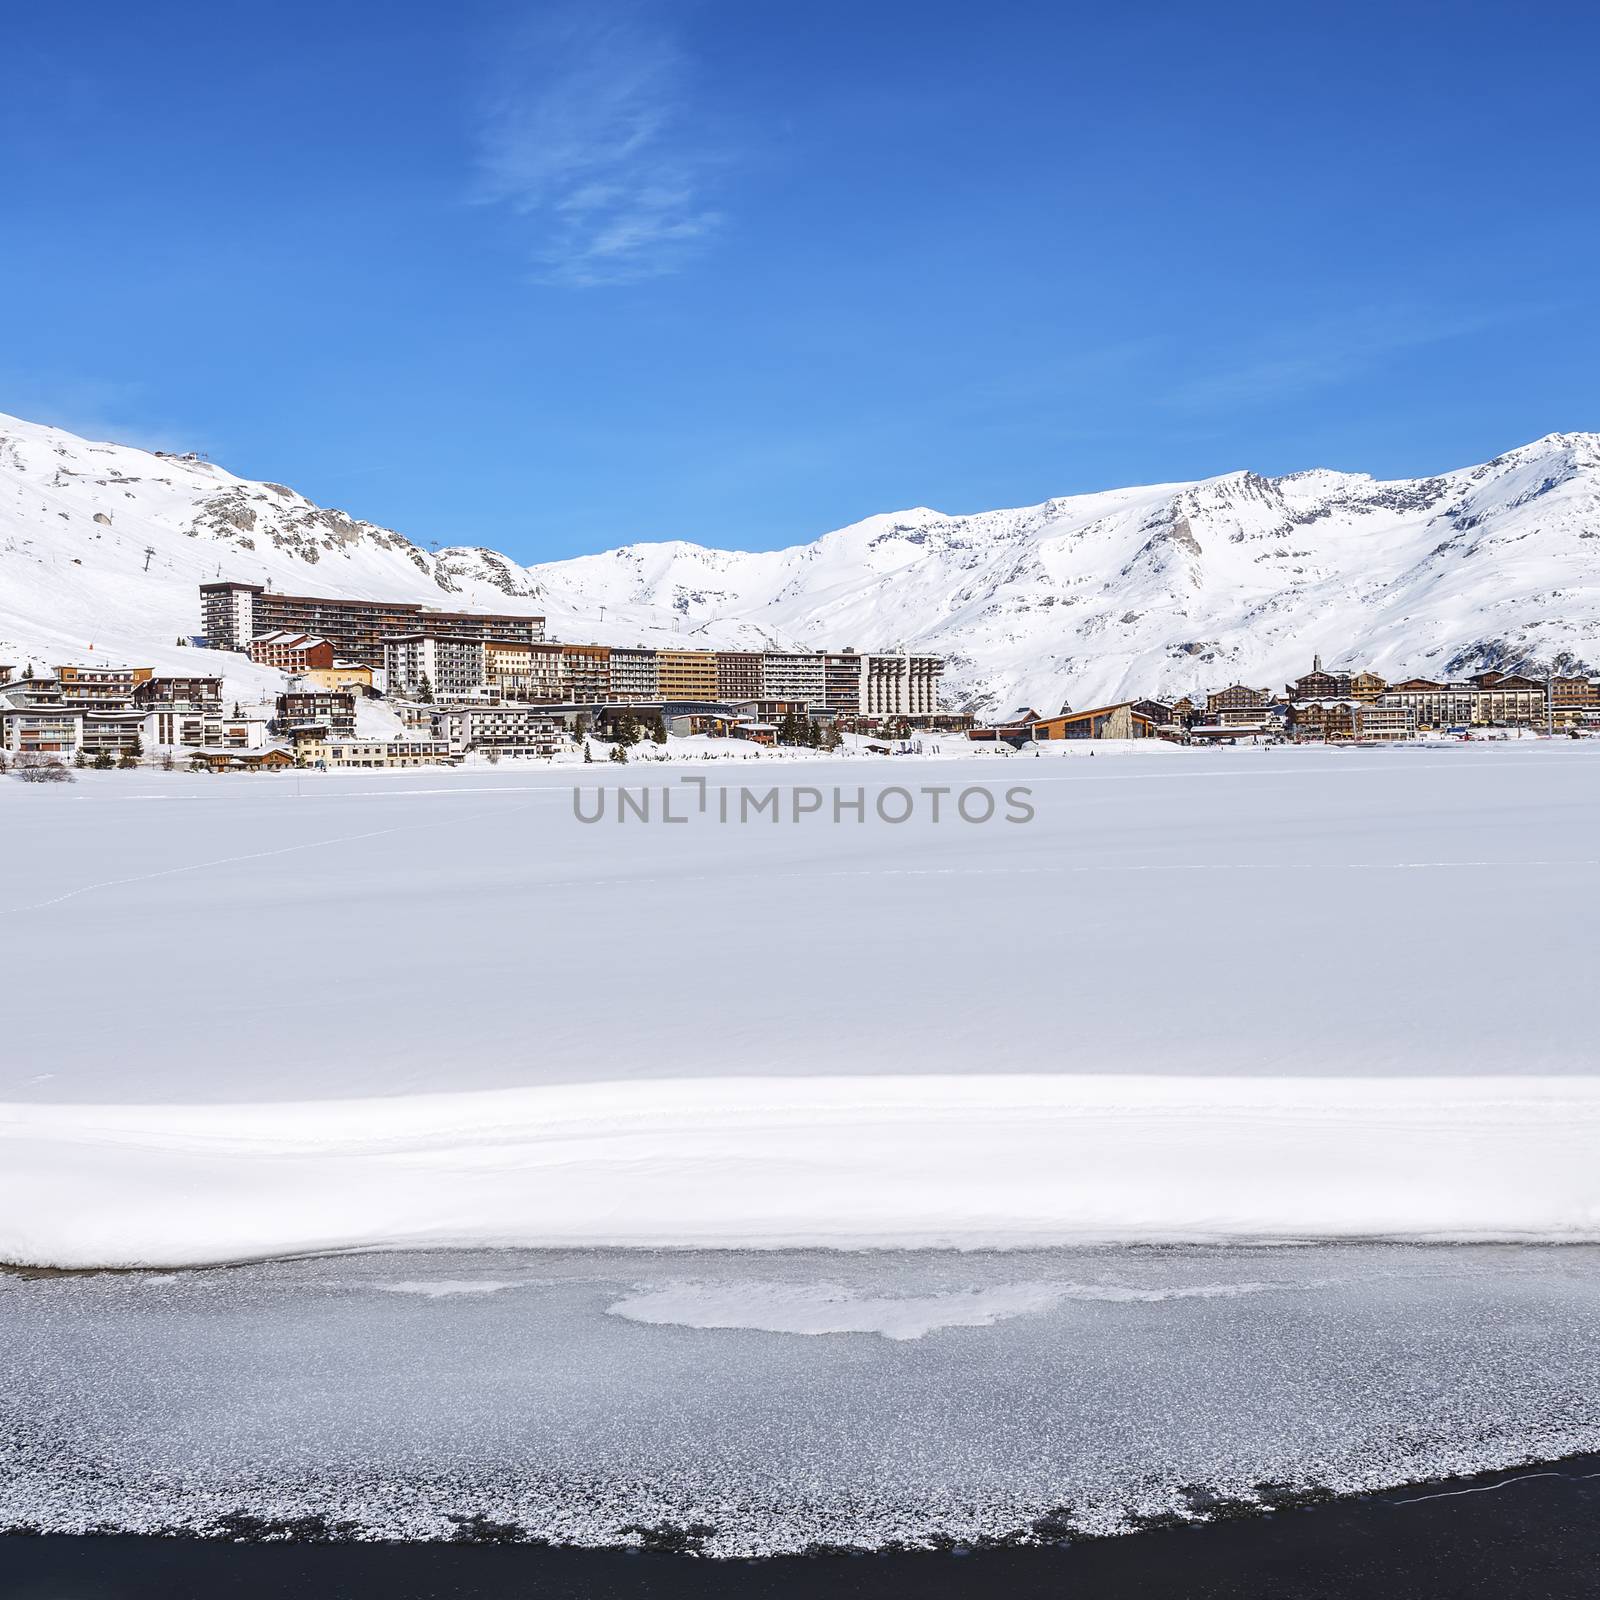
(1532, 1536)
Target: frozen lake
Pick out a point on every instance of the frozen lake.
(1274, 911)
(785, 1399)
(1200, 995)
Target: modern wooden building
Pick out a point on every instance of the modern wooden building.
(239, 760)
(1121, 721)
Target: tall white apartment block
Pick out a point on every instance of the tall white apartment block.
(228, 614)
(450, 667)
(797, 676)
(900, 685)
(634, 673)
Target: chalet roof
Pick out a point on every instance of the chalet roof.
(244, 758)
(1097, 711)
(289, 640)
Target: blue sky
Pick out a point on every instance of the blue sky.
(556, 277)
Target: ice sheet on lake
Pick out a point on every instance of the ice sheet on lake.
(1124, 1383)
(444, 1288)
(829, 1308)
(818, 1308)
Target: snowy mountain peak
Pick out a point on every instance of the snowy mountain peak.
(1159, 589)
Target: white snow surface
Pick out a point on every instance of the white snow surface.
(1229, 994)
(1161, 589)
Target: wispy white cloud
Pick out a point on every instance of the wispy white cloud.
(1275, 364)
(587, 134)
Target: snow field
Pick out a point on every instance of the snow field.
(1226, 995)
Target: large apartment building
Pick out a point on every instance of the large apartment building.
(634, 674)
(433, 667)
(523, 671)
(1575, 702)
(586, 672)
(232, 614)
(1237, 697)
(39, 727)
(738, 675)
(192, 727)
(354, 676)
(841, 681)
(1509, 700)
(198, 692)
(1320, 684)
(689, 675)
(506, 728)
(331, 709)
(322, 751)
(100, 685)
(900, 685)
(118, 711)
(1349, 719)
(1485, 700)
(1576, 693)
(792, 676)
(290, 652)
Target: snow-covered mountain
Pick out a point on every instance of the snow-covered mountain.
(1162, 589)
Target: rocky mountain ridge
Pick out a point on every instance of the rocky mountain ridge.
(1147, 590)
